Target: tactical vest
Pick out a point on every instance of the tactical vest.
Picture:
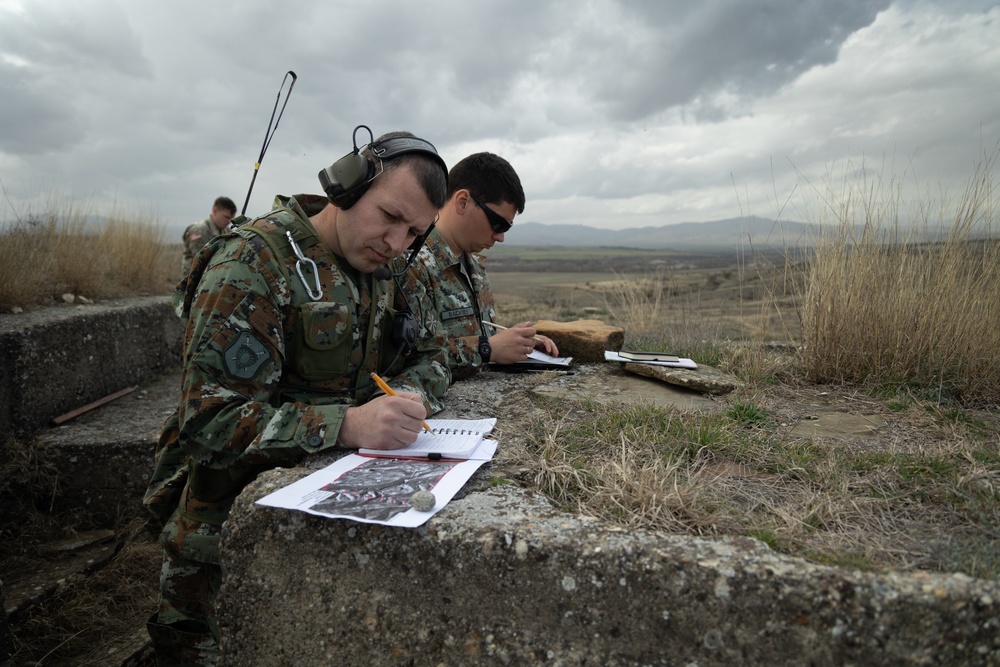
(320, 350)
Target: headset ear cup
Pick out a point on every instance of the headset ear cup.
(347, 179)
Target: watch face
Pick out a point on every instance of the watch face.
(485, 350)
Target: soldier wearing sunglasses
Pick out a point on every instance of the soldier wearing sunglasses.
(448, 279)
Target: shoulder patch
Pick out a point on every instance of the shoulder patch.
(244, 356)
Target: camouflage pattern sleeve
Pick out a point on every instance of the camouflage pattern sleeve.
(230, 413)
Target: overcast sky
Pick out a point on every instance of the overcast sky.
(614, 113)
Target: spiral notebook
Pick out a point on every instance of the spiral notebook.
(451, 439)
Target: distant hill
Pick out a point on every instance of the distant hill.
(761, 232)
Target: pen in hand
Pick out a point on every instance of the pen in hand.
(388, 390)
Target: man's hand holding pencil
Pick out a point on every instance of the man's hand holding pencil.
(513, 344)
(385, 422)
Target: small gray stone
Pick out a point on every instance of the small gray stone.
(423, 501)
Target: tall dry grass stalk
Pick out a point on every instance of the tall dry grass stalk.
(659, 314)
(70, 248)
(915, 305)
(639, 303)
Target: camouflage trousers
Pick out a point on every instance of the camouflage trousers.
(185, 629)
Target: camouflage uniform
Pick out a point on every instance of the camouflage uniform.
(268, 375)
(453, 294)
(195, 238)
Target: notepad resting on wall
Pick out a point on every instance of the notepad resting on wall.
(451, 439)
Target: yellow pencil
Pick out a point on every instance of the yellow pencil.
(388, 390)
(497, 326)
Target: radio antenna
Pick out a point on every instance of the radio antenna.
(270, 131)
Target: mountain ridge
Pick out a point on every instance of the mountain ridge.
(731, 232)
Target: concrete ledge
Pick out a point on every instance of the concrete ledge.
(500, 577)
(58, 359)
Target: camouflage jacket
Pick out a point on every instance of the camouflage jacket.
(452, 294)
(268, 372)
(195, 238)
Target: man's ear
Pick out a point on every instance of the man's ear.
(462, 201)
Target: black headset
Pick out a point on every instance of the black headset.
(348, 179)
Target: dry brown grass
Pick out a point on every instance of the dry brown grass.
(76, 625)
(88, 615)
(70, 249)
(874, 503)
(882, 307)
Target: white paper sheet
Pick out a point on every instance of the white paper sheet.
(377, 490)
(680, 363)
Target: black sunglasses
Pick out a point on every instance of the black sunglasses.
(499, 223)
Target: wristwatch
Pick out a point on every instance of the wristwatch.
(485, 349)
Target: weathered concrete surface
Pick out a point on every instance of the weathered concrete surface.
(57, 359)
(105, 457)
(500, 577)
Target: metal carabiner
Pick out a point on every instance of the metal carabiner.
(300, 258)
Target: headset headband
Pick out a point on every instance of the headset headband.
(348, 179)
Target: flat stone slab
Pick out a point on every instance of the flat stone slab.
(611, 385)
(704, 378)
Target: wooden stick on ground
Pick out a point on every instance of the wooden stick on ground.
(72, 414)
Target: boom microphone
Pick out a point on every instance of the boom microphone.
(382, 273)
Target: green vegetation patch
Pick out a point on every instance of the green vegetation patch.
(736, 472)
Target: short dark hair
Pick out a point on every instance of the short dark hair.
(489, 177)
(226, 203)
(430, 173)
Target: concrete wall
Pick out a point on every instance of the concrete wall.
(501, 578)
(57, 359)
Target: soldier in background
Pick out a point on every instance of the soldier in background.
(196, 236)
